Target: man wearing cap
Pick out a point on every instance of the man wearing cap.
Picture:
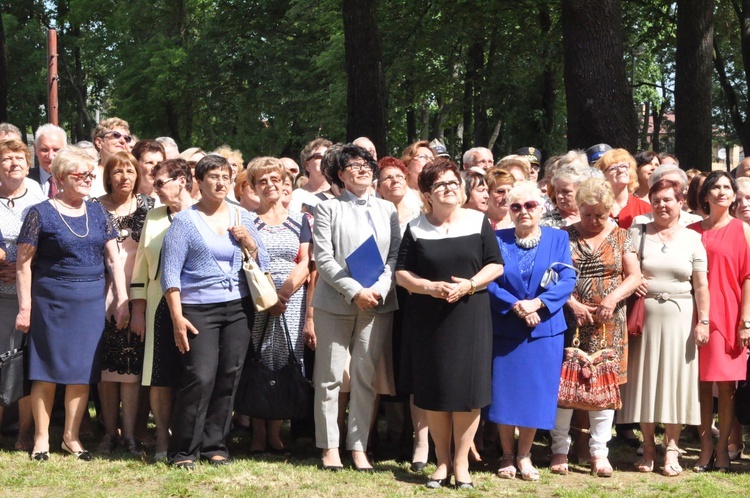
(479, 157)
(534, 156)
(594, 152)
(438, 148)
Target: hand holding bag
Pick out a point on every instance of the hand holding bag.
(589, 382)
(262, 288)
(636, 306)
(273, 395)
(12, 373)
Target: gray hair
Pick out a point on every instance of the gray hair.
(9, 129)
(525, 189)
(49, 129)
(468, 159)
(743, 183)
(660, 171)
(167, 141)
(573, 172)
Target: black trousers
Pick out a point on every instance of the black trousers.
(210, 374)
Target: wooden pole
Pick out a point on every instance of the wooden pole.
(52, 78)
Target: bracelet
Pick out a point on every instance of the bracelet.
(473, 288)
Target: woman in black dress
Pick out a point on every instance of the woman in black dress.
(447, 258)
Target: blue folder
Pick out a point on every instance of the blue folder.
(365, 264)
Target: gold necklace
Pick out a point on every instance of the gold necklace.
(85, 213)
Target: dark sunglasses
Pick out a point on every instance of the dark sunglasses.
(117, 136)
(528, 206)
(315, 156)
(161, 183)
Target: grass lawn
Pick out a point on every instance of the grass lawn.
(297, 474)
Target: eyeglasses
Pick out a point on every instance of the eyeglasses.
(80, 177)
(161, 183)
(422, 157)
(618, 167)
(441, 186)
(117, 136)
(528, 206)
(317, 155)
(393, 178)
(357, 167)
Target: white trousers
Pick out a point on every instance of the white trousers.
(600, 432)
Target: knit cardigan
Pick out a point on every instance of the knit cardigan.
(188, 263)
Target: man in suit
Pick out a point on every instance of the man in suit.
(48, 141)
(350, 317)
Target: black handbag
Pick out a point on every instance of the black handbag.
(273, 395)
(11, 372)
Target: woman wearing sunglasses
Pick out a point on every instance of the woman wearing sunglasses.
(64, 246)
(173, 183)
(305, 198)
(110, 137)
(529, 327)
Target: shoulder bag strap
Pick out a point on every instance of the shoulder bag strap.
(643, 241)
(292, 358)
(262, 335)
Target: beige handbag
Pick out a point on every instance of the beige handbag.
(261, 285)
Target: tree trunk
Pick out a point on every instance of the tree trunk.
(549, 80)
(644, 128)
(365, 101)
(3, 72)
(481, 126)
(599, 101)
(692, 89)
(468, 114)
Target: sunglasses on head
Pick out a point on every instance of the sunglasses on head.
(528, 206)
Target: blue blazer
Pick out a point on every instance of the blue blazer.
(505, 291)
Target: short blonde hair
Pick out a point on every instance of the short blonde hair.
(260, 166)
(67, 160)
(108, 124)
(231, 155)
(595, 191)
(615, 156)
(525, 189)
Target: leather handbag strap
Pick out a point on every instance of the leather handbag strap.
(643, 241)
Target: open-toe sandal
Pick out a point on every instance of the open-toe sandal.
(559, 465)
(507, 468)
(672, 469)
(528, 472)
(600, 467)
(643, 464)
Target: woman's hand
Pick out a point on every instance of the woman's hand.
(280, 307)
(532, 319)
(242, 236)
(440, 290)
(23, 320)
(743, 335)
(366, 299)
(642, 288)
(582, 312)
(308, 334)
(181, 327)
(526, 307)
(700, 334)
(122, 314)
(461, 287)
(606, 310)
(138, 324)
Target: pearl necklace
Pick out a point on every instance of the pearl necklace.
(528, 242)
(85, 213)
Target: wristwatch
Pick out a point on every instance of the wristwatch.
(746, 324)
(473, 287)
(704, 321)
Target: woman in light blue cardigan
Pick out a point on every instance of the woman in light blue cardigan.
(212, 313)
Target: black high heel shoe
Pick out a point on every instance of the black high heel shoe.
(708, 467)
(438, 483)
(81, 455)
(40, 456)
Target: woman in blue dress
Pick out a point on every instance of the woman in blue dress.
(64, 245)
(529, 327)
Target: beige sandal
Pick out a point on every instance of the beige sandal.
(528, 472)
(672, 469)
(507, 471)
(600, 467)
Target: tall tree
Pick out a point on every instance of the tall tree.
(600, 104)
(693, 87)
(3, 71)
(366, 97)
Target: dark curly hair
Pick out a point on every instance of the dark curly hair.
(337, 159)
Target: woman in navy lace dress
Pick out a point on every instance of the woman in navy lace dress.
(63, 248)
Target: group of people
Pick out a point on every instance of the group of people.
(459, 290)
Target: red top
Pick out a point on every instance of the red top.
(723, 359)
(634, 207)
